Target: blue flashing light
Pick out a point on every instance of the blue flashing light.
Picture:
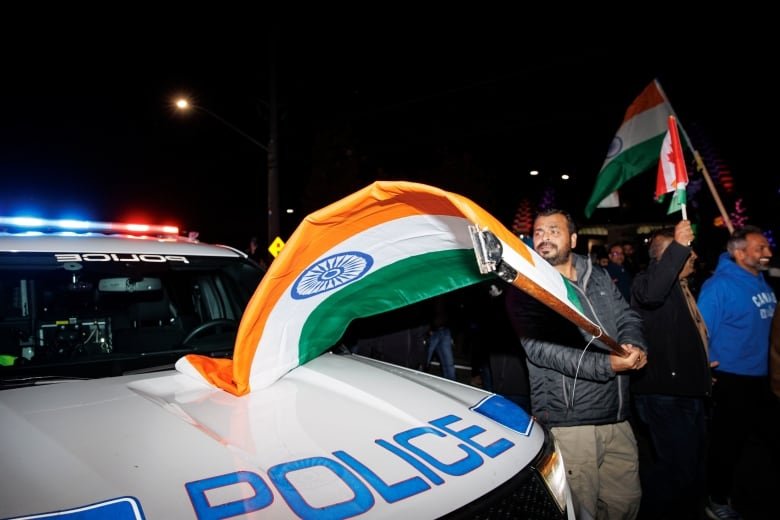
(24, 222)
(73, 224)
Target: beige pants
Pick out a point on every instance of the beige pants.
(602, 469)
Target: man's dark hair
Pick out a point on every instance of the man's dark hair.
(553, 211)
(738, 238)
(655, 245)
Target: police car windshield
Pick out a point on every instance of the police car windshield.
(101, 314)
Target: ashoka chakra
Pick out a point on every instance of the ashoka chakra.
(330, 273)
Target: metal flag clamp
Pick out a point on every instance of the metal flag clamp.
(489, 253)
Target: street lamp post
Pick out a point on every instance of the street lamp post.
(273, 155)
(271, 151)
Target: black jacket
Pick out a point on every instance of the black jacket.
(676, 359)
(554, 349)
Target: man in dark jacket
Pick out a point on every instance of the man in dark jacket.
(669, 393)
(578, 387)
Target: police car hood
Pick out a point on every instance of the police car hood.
(339, 435)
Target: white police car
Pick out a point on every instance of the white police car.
(96, 423)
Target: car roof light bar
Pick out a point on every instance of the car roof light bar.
(34, 223)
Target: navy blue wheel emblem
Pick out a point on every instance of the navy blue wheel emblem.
(615, 147)
(330, 273)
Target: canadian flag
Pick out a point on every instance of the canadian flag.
(672, 174)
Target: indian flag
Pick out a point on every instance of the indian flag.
(635, 147)
(386, 246)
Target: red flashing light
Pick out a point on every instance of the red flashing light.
(141, 228)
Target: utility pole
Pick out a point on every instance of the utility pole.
(273, 148)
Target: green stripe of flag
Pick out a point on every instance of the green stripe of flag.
(678, 199)
(571, 294)
(397, 285)
(623, 168)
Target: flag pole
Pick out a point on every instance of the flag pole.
(700, 166)
(703, 169)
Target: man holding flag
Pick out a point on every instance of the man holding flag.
(669, 393)
(577, 388)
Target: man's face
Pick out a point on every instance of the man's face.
(552, 239)
(616, 255)
(755, 255)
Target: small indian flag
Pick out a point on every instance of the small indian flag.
(386, 246)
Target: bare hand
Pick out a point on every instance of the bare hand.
(636, 359)
(683, 233)
(714, 364)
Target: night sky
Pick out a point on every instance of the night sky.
(88, 129)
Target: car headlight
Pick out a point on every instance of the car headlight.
(549, 463)
(551, 469)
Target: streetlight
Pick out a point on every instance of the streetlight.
(184, 104)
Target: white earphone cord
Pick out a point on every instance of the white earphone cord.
(579, 363)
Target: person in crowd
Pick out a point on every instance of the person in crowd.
(599, 255)
(254, 252)
(737, 304)
(497, 356)
(578, 386)
(670, 392)
(617, 270)
(480, 313)
(774, 355)
(630, 258)
(439, 338)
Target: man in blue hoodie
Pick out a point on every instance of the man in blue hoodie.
(737, 305)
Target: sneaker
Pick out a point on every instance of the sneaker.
(720, 511)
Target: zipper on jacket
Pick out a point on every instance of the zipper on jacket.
(586, 276)
(584, 291)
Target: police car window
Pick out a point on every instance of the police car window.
(58, 313)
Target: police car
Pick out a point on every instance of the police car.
(95, 422)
